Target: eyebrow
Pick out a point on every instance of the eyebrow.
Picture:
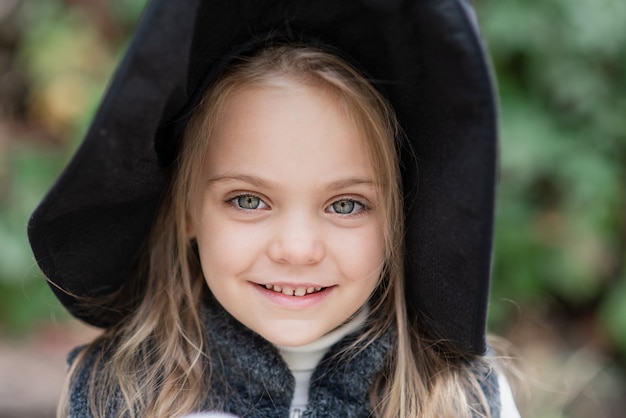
(355, 181)
(259, 182)
(253, 180)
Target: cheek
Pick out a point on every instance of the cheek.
(361, 255)
(225, 248)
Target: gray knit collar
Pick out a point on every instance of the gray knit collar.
(251, 379)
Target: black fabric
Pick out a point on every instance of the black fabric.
(424, 55)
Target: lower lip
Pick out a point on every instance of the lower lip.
(295, 302)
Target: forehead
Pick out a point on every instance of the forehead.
(287, 126)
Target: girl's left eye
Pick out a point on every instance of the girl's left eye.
(248, 202)
(346, 207)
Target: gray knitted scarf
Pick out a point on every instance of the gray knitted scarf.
(250, 379)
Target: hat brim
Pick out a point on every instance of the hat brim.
(424, 55)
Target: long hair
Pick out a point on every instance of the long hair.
(158, 362)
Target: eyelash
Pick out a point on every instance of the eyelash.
(359, 206)
(234, 201)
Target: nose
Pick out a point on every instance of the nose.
(297, 240)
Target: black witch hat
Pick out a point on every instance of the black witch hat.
(425, 56)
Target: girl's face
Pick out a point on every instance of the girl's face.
(286, 218)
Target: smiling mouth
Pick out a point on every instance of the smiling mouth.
(293, 291)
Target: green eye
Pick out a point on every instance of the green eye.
(346, 207)
(248, 202)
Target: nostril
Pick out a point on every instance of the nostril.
(297, 254)
(296, 246)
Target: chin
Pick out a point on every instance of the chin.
(291, 340)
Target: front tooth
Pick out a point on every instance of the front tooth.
(300, 291)
(287, 291)
(310, 290)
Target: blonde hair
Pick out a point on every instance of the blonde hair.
(159, 356)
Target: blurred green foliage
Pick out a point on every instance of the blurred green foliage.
(561, 216)
(561, 223)
(55, 59)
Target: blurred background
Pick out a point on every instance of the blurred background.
(559, 282)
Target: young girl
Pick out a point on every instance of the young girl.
(277, 278)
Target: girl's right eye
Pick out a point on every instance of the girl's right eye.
(248, 202)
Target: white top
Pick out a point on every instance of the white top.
(507, 403)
